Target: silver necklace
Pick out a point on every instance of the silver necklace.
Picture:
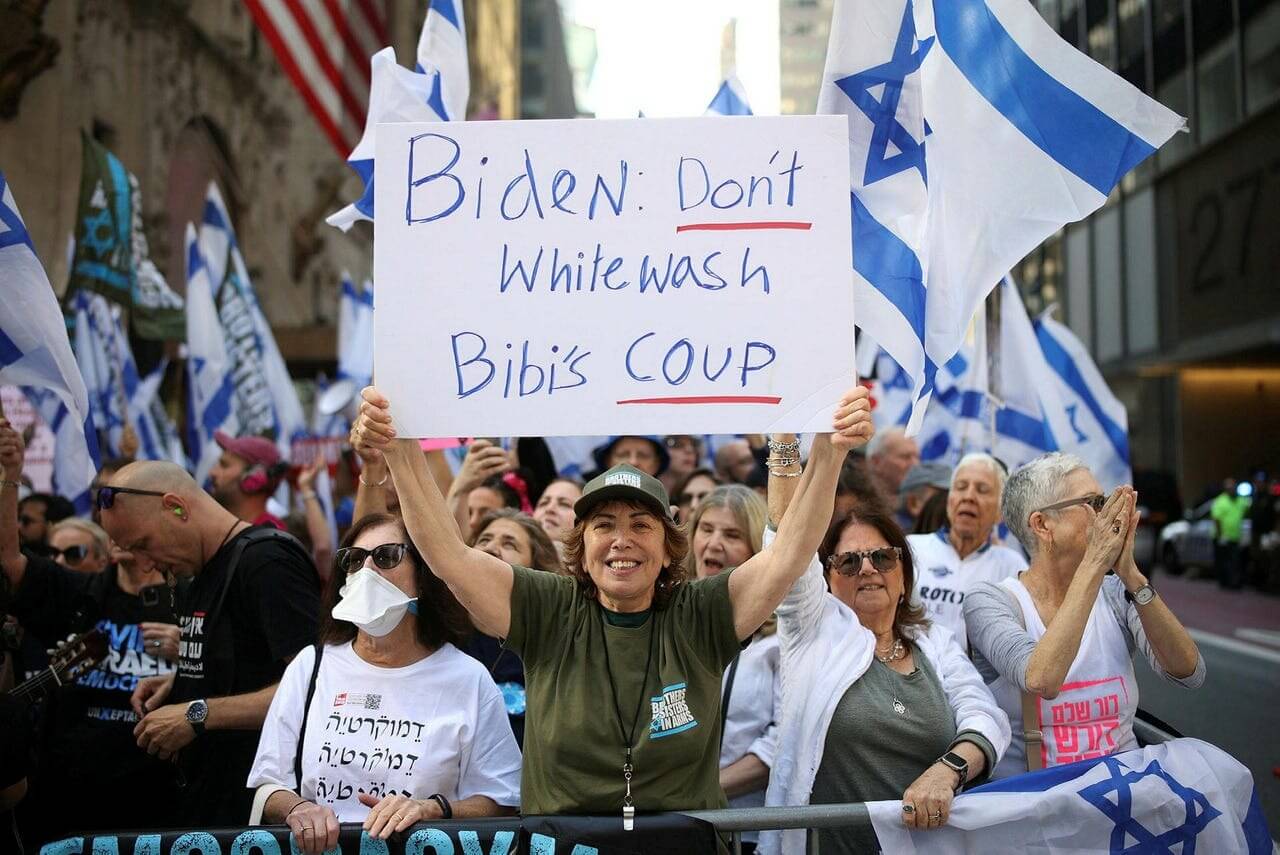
(895, 653)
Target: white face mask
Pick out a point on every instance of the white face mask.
(372, 603)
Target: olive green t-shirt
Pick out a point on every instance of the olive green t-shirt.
(573, 749)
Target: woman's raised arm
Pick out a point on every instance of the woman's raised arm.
(481, 582)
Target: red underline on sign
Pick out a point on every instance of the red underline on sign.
(707, 399)
(764, 225)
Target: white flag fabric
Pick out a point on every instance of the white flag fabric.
(157, 434)
(730, 99)
(1179, 796)
(355, 351)
(35, 353)
(1097, 428)
(396, 94)
(975, 133)
(266, 401)
(211, 389)
(442, 53)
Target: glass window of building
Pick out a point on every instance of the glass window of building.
(1108, 303)
(1079, 280)
(1169, 40)
(1100, 31)
(1260, 20)
(1069, 23)
(1133, 42)
(1217, 92)
(1141, 304)
(1048, 10)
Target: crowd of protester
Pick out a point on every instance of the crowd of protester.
(683, 629)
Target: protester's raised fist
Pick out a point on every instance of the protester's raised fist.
(372, 431)
(483, 461)
(852, 426)
(12, 450)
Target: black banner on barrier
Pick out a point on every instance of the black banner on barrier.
(666, 834)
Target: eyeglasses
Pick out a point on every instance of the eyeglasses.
(107, 495)
(1093, 500)
(73, 555)
(883, 560)
(385, 557)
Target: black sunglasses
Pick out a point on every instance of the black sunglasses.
(385, 557)
(107, 495)
(1095, 501)
(883, 560)
(72, 554)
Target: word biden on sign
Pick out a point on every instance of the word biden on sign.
(596, 277)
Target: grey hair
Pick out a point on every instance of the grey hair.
(1032, 486)
(878, 440)
(101, 540)
(982, 459)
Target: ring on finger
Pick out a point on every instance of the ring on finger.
(908, 808)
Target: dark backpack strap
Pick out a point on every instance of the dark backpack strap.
(306, 712)
(727, 694)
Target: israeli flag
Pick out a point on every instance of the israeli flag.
(211, 389)
(975, 132)
(730, 99)
(110, 374)
(436, 92)
(147, 407)
(1097, 429)
(1179, 796)
(955, 423)
(1031, 417)
(226, 268)
(355, 350)
(442, 53)
(35, 353)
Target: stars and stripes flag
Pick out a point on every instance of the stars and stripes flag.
(324, 47)
(35, 353)
(975, 132)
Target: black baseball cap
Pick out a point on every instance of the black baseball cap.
(627, 484)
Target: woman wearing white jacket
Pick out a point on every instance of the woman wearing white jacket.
(877, 704)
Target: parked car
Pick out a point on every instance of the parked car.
(1189, 542)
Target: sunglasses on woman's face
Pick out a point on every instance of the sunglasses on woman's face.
(73, 555)
(385, 557)
(883, 560)
(1093, 500)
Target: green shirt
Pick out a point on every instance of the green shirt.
(1229, 512)
(573, 748)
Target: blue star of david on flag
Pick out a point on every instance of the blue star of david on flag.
(15, 231)
(1199, 813)
(908, 54)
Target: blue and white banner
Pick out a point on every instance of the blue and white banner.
(266, 402)
(210, 386)
(1031, 418)
(730, 99)
(442, 53)
(1180, 796)
(436, 92)
(355, 353)
(1097, 427)
(35, 353)
(975, 133)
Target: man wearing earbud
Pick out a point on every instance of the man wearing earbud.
(246, 475)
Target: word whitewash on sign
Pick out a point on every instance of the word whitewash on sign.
(603, 277)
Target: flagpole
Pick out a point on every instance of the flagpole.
(995, 397)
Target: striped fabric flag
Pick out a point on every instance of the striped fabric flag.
(324, 47)
(436, 92)
(975, 132)
(211, 389)
(35, 353)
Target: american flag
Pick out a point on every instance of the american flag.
(324, 46)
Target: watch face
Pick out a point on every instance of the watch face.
(197, 711)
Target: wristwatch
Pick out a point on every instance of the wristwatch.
(957, 764)
(197, 713)
(1142, 596)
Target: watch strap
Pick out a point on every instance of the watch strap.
(957, 764)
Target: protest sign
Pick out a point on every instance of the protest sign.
(603, 277)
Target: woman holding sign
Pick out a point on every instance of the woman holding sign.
(623, 657)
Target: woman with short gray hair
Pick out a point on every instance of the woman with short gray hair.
(1057, 642)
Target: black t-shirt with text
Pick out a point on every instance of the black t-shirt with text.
(270, 612)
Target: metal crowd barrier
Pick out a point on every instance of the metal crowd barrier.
(811, 818)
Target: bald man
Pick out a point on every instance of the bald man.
(253, 603)
(890, 456)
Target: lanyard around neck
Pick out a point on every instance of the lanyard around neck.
(628, 737)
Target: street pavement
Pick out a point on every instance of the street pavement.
(1238, 708)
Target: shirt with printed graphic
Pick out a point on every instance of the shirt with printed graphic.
(943, 577)
(574, 749)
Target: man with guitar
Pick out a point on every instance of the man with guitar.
(86, 742)
(253, 603)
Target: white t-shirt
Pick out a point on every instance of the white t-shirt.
(751, 725)
(942, 578)
(436, 726)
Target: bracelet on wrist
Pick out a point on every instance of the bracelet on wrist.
(446, 809)
(784, 449)
(7, 483)
(299, 803)
(379, 484)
